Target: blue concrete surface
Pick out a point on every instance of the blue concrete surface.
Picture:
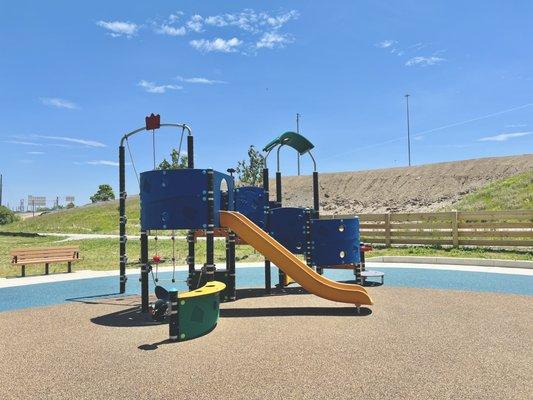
(44, 294)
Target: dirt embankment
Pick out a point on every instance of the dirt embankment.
(427, 187)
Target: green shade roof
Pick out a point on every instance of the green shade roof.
(291, 139)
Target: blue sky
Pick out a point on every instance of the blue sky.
(75, 76)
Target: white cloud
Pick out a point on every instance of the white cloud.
(119, 28)
(84, 142)
(424, 61)
(385, 44)
(23, 143)
(35, 152)
(203, 81)
(218, 44)
(271, 40)
(59, 103)
(175, 17)
(102, 162)
(152, 87)
(195, 23)
(516, 125)
(252, 21)
(170, 30)
(503, 137)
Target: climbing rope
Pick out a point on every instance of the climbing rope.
(173, 238)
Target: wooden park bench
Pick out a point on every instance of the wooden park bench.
(46, 256)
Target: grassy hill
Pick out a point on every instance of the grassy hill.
(485, 184)
(93, 218)
(514, 193)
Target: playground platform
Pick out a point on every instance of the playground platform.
(418, 344)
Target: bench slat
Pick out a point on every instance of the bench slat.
(44, 260)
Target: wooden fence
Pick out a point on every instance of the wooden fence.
(456, 228)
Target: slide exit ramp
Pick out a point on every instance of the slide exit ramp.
(292, 265)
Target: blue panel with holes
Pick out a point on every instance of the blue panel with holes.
(335, 241)
(251, 201)
(177, 199)
(287, 226)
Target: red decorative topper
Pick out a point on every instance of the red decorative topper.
(153, 122)
(156, 258)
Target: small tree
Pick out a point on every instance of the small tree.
(7, 216)
(251, 172)
(104, 193)
(177, 161)
(70, 205)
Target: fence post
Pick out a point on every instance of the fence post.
(455, 229)
(387, 230)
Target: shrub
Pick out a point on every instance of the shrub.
(7, 216)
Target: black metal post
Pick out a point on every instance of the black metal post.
(190, 233)
(316, 205)
(173, 324)
(268, 278)
(308, 242)
(122, 218)
(281, 274)
(145, 270)
(316, 202)
(190, 151)
(231, 266)
(210, 234)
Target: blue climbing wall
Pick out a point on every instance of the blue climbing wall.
(251, 201)
(177, 199)
(287, 226)
(335, 241)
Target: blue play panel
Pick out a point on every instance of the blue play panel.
(44, 294)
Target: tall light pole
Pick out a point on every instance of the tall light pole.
(408, 131)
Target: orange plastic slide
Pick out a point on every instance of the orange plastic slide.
(292, 265)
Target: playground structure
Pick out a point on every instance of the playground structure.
(206, 201)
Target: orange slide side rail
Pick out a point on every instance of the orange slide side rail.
(292, 265)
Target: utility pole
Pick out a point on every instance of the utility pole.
(298, 131)
(408, 131)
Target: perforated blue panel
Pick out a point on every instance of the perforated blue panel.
(287, 226)
(251, 201)
(335, 241)
(177, 199)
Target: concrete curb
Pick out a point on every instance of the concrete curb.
(483, 262)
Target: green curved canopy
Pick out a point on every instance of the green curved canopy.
(291, 139)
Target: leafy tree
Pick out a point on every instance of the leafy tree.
(104, 193)
(177, 161)
(7, 216)
(251, 172)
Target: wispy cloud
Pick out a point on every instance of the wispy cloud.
(503, 137)
(23, 142)
(35, 152)
(59, 103)
(251, 22)
(385, 44)
(217, 45)
(171, 30)
(424, 61)
(152, 87)
(271, 40)
(103, 162)
(84, 142)
(203, 81)
(516, 125)
(119, 28)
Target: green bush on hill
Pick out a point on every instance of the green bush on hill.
(513, 193)
(7, 216)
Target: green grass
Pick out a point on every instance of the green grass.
(514, 193)
(94, 218)
(102, 254)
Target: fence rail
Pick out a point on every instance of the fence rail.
(455, 228)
